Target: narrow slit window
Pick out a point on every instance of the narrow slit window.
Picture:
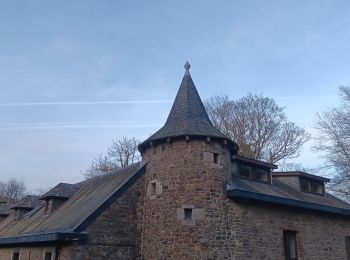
(290, 244)
(15, 256)
(153, 188)
(188, 213)
(216, 157)
(48, 206)
(347, 241)
(48, 256)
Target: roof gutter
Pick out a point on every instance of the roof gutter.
(253, 196)
(43, 238)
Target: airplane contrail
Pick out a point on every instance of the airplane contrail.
(306, 97)
(63, 125)
(84, 103)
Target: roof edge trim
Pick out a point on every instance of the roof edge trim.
(242, 194)
(43, 237)
(278, 174)
(244, 159)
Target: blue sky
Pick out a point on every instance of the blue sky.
(69, 69)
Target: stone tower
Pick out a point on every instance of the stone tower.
(188, 162)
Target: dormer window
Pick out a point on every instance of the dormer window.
(245, 170)
(48, 206)
(311, 186)
(251, 169)
(3, 216)
(254, 173)
(302, 181)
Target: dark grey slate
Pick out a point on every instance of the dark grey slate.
(187, 117)
(92, 197)
(27, 202)
(61, 190)
(281, 193)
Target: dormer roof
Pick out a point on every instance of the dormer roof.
(27, 202)
(300, 173)
(61, 190)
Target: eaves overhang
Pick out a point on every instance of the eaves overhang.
(259, 197)
(51, 237)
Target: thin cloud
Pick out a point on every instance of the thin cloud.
(84, 103)
(66, 125)
(307, 97)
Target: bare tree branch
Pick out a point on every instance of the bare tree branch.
(258, 125)
(13, 190)
(333, 142)
(121, 153)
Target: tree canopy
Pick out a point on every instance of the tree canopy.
(121, 153)
(258, 125)
(333, 141)
(12, 190)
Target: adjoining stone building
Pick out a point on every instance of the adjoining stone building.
(191, 197)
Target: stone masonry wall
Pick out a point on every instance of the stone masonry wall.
(27, 253)
(256, 232)
(184, 175)
(116, 233)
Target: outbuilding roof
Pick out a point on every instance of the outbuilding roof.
(70, 220)
(281, 194)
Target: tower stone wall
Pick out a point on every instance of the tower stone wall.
(184, 176)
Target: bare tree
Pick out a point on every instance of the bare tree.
(284, 165)
(99, 166)
(333, 142)
(13, 190)
(258, 125)
(121, 153)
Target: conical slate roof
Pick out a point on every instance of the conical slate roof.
(187, 117)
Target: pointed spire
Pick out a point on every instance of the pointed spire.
(187, 117)
(187, 67)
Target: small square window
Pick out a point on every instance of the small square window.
(15, 256)
(316, 187)
(245, 170)
(187, 213)
(290, 244)
(216, 157)
(304, 185)
(260, 174)
(48, 256)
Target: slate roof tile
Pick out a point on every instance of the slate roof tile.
(91, 195)
(187, 117)
(281, 190)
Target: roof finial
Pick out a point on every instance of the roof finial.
(187, 68)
